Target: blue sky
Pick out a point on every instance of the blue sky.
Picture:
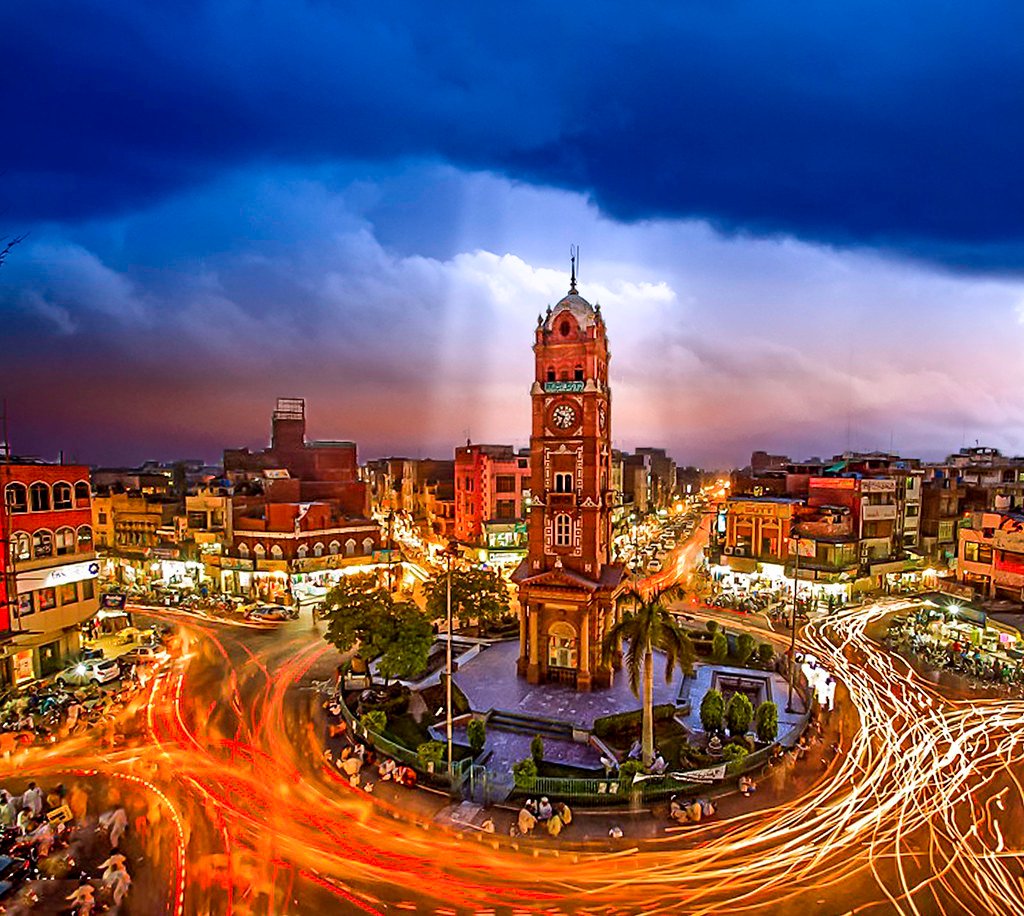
(803, 221)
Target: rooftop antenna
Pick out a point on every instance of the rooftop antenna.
(574, 255)
(5, 443)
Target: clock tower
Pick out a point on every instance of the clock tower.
(567, 583)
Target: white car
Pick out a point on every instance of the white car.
(654, 565)
(145, 655)
(669, 542)
(92, 671)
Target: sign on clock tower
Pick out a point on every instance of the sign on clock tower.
(567, 584)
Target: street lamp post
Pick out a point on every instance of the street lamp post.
(449, 553)
(792, 623)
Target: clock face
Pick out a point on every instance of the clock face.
(564, 416)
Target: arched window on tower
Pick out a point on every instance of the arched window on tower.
(563, 482)
(302, 551)
(551, 374)
(243, 550)
(260, 551)
(563, 530)
(577, 373)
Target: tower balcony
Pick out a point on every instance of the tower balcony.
(562, 500)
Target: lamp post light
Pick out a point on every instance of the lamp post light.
(793, 533)
(449, 553)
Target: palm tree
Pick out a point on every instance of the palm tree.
(647, 626)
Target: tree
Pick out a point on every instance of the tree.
(765, 653)
(396, 633)
(647, 626)
(376, 720)
(476, 733)
(524, 773)
(766, 722)
(738, 713)
(711, 626)
(733, 752)
(744, 648)
(478, 594)
(719, 647)
(712, 711)
(537, 749)
(430, 754)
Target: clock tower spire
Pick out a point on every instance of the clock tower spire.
(567, 583)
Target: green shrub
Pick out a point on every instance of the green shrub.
(476, 733)
(733, 752)
(712, 711)
(720, 647)
(537, 749)
(628, 770)
(376, 720)
(766, 722)
(629, 721)
(765, 653)
(431, 752)
(524, 773)
(744, 648)
(711, 626)
(738, 714)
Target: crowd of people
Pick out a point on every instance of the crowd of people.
(542, 815)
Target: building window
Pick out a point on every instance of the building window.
(243, 550)
(88, 589)
(563, 531)
(259, 551)
(65, 541)
(302, 551)
(551, 374)
(505, 509)
(367, 545)
(82, 492)
(563, 482)
(504, 483)
(335, 548)
(276, 552)
(42, 544)
(68, 593)
(318, 549)
(62, 496)
(577, 374)
(39, 497)
(25, 604)
(17, 497)
(21, 546)
(350, 547)
(84, 539)
(46, 599)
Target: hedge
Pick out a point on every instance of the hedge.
(624, 721)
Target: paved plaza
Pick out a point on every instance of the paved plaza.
(489, 682)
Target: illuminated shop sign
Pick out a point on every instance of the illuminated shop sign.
(58, 575)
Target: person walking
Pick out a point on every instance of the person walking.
(116, 821)
(8, 810)
(119, 882)
(115, 862)
(83, 898)
(33, 799)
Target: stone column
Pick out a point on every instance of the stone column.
(524, 609)
(533, 668)
(583, 681)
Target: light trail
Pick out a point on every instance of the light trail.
(922, 814)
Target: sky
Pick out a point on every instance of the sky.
(804, 222)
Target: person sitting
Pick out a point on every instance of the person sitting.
(544, 810)
(563, 811)
(747, 786)
(554, 825)
(615, 833)
(406, 776)
(387, 768)
(526, 821)
(658, 765)
(635, 750)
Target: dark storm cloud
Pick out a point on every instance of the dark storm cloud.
(893, 125)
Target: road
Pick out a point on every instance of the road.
(923, 815)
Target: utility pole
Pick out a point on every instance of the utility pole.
(792, 623)
(449, 553)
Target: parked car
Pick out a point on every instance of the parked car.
(145, 655)
(654, 565)
(89, 671)
(272, 612)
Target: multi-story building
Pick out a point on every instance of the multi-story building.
(990, 554)
(942, 497)
(492, 483)
(48, 566)
(316, 470)
(661, 475)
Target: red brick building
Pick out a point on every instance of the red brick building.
(567, 583)
(317, 470)
(48, 566)
(490, 483)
